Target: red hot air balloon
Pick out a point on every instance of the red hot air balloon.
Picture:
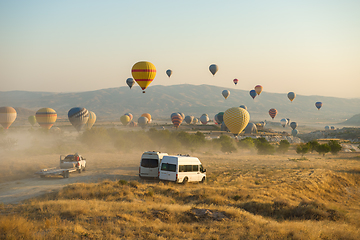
(273, 112)
(235, 81)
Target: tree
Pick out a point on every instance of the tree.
(227, 144)
(264, 147)
(302, 149)
(283, 146)
(323, 149)
(335, 147)
(312, 145)
(246, 143)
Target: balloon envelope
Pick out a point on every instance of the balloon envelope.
(273, 112)
(32, 120)
(125, 119)
(142, 121)
(143, 73)
(168, 72)
(327, 127)
(253, 93)
(220, 117)
(283, 122)
(293, 125)
(7, 116)
(130, 82)
(188, 119)
(130, 115)
(294, 132)
(318, 105)
(91, 121)
(78, 117)
(213, 68)
(182, 115)
(46, 117)
(133, 124)
(243, 106)
(176, 120)
(258, 89)
(250, 128)
(236, 119)
(204, 119)
(235, 81)
(291, 96)
(147, 115)
(225, 93)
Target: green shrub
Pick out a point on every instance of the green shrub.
(283, 146)
(302, 149)
(246, 143)
(323, 149)
(335, 147)
(264, 147)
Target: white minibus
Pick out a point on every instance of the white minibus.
(181, 169)
(149, 164)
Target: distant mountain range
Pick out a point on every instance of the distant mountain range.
(161, 101)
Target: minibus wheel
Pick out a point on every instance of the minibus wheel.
(202, 180)
(185, 181)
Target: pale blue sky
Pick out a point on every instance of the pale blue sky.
(310, 47)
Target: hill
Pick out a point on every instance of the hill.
(161, 101)
(353, 121)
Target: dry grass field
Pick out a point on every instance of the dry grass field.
(246, 196)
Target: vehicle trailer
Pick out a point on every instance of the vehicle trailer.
(55, 171)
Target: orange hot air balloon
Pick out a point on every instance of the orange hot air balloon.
(7, 116)
(258, 89)
(273, 112)
(147, 115)
(46, 117)
(143, 73)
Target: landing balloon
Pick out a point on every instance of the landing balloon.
(253, 93)
(143, 121)
(78, 117)
(213, 68)
(147, 115)
(91, 121)
(46, 117)
(273, 112)
(130, 82)
(225, 93)
(250, 128)
(32, 120)
(133, 124)
(189, 119)
(182, 115)
(168, 72)
(125, 119)
(236, 119)
(7, 116)
(176, 120)
(204, 119)
(143, 73)
(220, 117)
(130, 115)
(294, 132)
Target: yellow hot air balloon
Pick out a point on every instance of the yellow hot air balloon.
(147, 115)
(46, 117)
(143, 73)
(258, 89)
(125, 119)
(7, 116)
(32, 120)
(236, 119)
(91, 121)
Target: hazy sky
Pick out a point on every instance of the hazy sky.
(311, 47)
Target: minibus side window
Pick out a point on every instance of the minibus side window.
(181, 168)
(195, 168)
(188, 168)
(164, 166)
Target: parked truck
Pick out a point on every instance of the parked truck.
(68, 164)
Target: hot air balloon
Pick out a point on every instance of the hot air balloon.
(46, 117)
(293, 125)
(243, 106)
(327, 127)
(91, 121)
(288, 121)
(250, 128)
(263, 123)
(236, 119)
(217, 121)
(182, 115)
(130, 115)
(188, 119)
(318, 105)
(253, 93)
(294, 132)
(32, 120)
(195, 120)
(213, 68)
(220, 117)
(258, 89)
(173, 114)
(283, 122)
(143, 73)
(176, 120)
(168, 72)
(204, 119)
(223, 127)
(332, 128)
(78, 117)
(225, 93)
(143, 121)
(125, 119)
(7, 116)
(130, 82)
(235, 81)
(147, 115)
(133, 124)
(291, 96)
(273, 112)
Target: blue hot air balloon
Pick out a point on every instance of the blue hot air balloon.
(253, 93)
(318, 105)
(78, 117)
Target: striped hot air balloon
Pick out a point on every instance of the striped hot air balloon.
(78, 117)
(46, 117)
(91, 121)
(236, 119)
(7, 116)
(176, 119)
(143, 73)
(130, 115)
(273, 112)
